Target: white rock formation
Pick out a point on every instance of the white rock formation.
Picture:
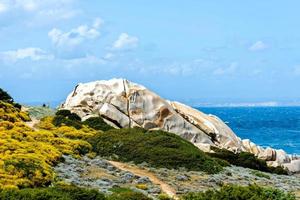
(125, 104)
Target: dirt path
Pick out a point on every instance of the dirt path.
(141, 172)
(32, 123)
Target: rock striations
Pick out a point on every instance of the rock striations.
(125, 104)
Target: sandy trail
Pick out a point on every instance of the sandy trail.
(166, 188)
(32, 123)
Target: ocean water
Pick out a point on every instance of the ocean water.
(277, 127)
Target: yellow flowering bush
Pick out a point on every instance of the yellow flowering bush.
(27, 156)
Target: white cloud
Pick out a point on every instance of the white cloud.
(87, 60)
(108, 56)
(125, 41)
(3, 7)
(97, 23)
(258, 46)
(39, 11)
(172, 68)
(36, 5)
(29, 5)
(32, 53)
(75, 36)
(227, 70)
(57, 13)
(297, 70)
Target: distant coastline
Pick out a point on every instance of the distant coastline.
(247, 104)
(54, 104)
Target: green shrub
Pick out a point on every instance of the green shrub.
(126, 194)
(65, 117)
(252, 192)
(278, 170)
(63, 112)
(157, 148)
(28, 169)
(4, 96)
(164, 197)
(51, 193)
(245, 159)
(97, 123)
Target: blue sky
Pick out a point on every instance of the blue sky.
(191, 51)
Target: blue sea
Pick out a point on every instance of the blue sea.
(277, 127)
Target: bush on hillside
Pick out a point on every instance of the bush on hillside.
(68, 114)
(97, 123)
(65, 117)
(245, 159)
(51, 193)
(252, 192)
(157, 148)
(27, 155)
(4, 96)
(10, 113)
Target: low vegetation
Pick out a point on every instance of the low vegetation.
(97, 123)
(260, 174)
(5, 97)
(245, 159)
(51, 193)
(157, 148)
(39, 112)
(27, 155)
(65, 117)
(126, 194)
(252, 192)
(69, 193)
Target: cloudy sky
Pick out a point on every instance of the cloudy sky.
(191, 51)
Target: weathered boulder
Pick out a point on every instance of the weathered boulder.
(125, 104)
(293, 166)
(268, 154)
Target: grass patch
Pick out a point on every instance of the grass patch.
(164, 197)
(260, 174)
(126, 194)
(51, 193)
(252, 192)
(157, 148)
(40, 112)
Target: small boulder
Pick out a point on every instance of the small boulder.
(182, 178)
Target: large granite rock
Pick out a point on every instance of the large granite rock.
(125, 104)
